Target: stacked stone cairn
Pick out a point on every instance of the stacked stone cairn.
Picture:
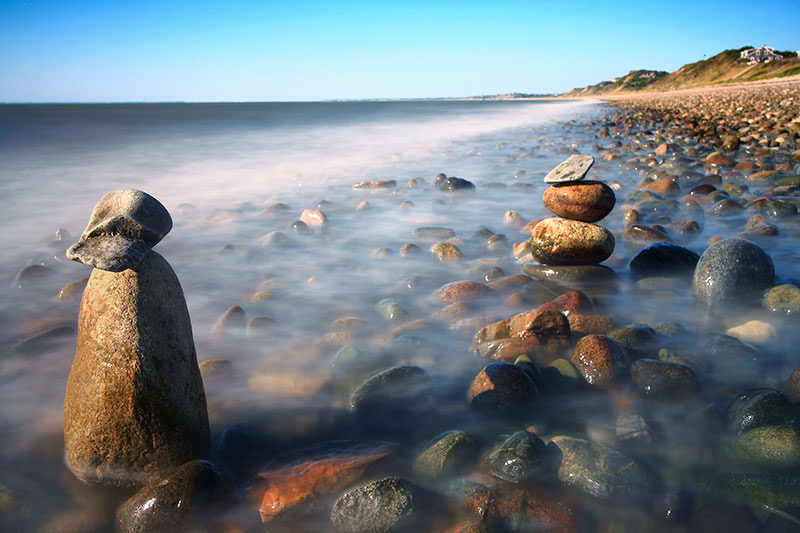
(571, 238)
(135, 407)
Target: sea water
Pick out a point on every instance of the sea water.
(218, 168)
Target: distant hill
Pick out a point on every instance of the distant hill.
(725, 67)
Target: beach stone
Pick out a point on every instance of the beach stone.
(32, 274)
(783, 300)
(383, 505)
(663, 379)
(759, 407)
(446, 251)
(522, 508)
(740, 363)
(571, 274)
(571, 302)
(300, 484)
(559, 241)
(376, 184)
(645, 234)
(599, 359)
(314, 219)
(791, 389)
(665, 187)
(434, 233)
(276, 239)
(664, 259)
(732, 270)
(585, 324)
(600, 471)
(726, 208)
(587, 201)
(234, 319)
(755, 332)
(502, 389)
(638, 340)
(123, 227)
(522, 456)
(453, 312)
(456, 184)
(632, 428)
(574, 168)
(396, 385)
(410, 250)
(770, 446)
(445, 455)
(134, 352)
(72, 291)
(391, 309)
(182, 500)
(300, 228)
(462, 292)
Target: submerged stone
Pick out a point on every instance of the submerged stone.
(523, 455)
(388, 504)
(445, 455)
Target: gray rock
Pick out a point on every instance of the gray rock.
(601, 471)
(123, 226)
(32, 274)
(574, 168)
(732, 270)
(434, 233)
(134, 407)
(392, 385)
(389, 504)
(571, 273)
(523, 455)
(183, 500)
(445, 455)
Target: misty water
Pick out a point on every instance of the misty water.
(218, 168)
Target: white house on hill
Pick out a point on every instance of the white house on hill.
(760, 55)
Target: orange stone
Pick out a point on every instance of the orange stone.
(299, 484)
(587, 201)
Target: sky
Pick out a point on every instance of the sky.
(299, 50)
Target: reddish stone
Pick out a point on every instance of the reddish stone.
(665, 186)
(298, 485)
(510, 283)
(522, 509)
(718, 160)
(569, 302)
(509, 350)
(462, 291)
(583, 324)
(587, 201)
(599, 359)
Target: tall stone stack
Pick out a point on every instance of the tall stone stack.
(134, 407)
(571, 238)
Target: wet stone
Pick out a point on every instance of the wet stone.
(522, 456)
(502, 389)
(571, 274)
(391, 309)
(600, 471)
(558, 241)
(769, 446)
(791, 389)
(396, 385)
(783, 300)
(72, 291)
(645, 234)
(664, 259)
(384, 505)
(32, 274)
(757, 408)
(520, 508)
(574, 168)
(456, 185)
(410, 250)
(599, 359)
(446, 251)
(462, 292)
(638, 340)
(234, 319)
(732, 270)
(182, 500)
(434, 233)
(445, 455)
(663, 379)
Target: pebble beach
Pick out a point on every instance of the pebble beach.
(479, 341)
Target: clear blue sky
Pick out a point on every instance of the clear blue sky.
(176, 50)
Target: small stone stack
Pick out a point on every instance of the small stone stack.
(570, 238)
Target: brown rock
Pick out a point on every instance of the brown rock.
(522, 509)
(588, 201)
(72, 291)
(314, 219)
(462, 291)
(234, 318)
(510, 283)
(502, 388)
(716, 159)
(581, 324)
(299, 485)
(135, 407)
(569, 303)
(599, 359)
(558, 241)
(446, 251)
(762, 176)
(664, 186)
(791, 389)
(645, 234)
